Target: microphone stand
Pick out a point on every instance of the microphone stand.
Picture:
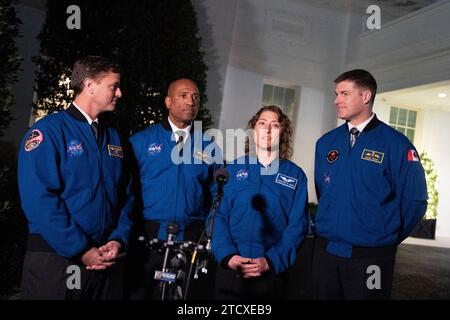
(172, 231)
(215, 206)
(218, 197)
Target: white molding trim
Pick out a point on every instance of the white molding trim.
(303, 23)
(428, 10)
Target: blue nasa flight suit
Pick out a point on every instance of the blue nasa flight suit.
(371, 195)
(75, 193)
(176, 186)
(69, 186)
(174, 192)
(260, 216)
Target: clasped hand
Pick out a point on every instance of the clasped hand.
(103, 257)
(249, 267)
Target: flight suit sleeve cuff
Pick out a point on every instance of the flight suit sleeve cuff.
(78, 256)
(123, 245)
(271, 266)
(224, 262)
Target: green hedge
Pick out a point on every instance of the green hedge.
(13, 226)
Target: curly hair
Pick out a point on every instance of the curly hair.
(285, 134)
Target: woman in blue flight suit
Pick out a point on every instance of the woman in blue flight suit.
(263, 216)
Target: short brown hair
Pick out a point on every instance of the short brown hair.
(286, 130)
(90, 67)
(362, 78)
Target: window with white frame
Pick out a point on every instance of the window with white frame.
(404, 120)
(283, 97)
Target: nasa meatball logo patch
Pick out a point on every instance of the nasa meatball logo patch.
(75, 148)
(242, 175)
(34, 140)
(154, 149)
(332, 156)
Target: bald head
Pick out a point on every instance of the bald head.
(182, 101)
(180, 82)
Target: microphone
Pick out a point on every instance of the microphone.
(172, 231)
(221, 178)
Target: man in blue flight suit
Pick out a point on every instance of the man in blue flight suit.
(175, 169)
(74, 191)
(372, 192)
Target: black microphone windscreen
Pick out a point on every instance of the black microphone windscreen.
(221, 175)
(173, 228)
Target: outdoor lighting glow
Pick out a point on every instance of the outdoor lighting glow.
(442, 95)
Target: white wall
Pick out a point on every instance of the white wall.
(32, 20)
(436, 137)
(406, 52)
(316, 116)
(241, 100)
(215, 20)
(288, 41)
(382, 109)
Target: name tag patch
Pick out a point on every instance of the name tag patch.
(202, 155)
(115, 151)
(286, 181)
(373, 156)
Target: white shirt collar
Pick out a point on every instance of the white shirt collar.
(362, 125)
(89, 120)
(175, 129)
